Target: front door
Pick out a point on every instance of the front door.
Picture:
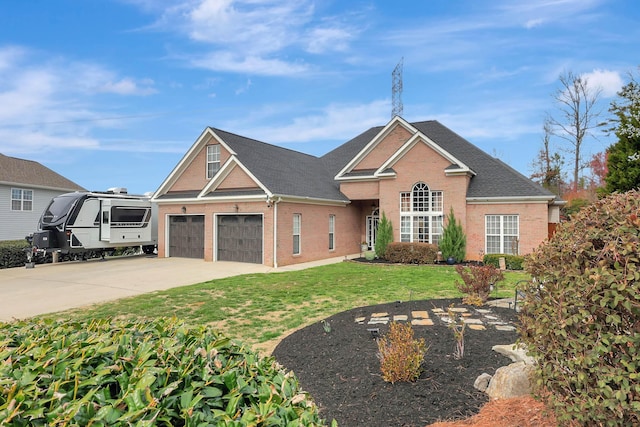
(372, 228)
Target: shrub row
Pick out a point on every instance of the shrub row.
(512, 262)
(12, 253)
(144, 373)
(411, 253)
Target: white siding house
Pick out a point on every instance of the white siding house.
(26, 188)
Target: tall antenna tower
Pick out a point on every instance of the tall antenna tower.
(396, 90)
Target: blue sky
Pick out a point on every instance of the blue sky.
(114, 92)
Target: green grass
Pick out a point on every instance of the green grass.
(259, 309)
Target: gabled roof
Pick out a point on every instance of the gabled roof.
(491, 178)
(14, 171)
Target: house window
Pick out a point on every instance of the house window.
(502, 234)
(213, 160)
(21, 200)
(297, 222)
(332, 229)
(421, 214)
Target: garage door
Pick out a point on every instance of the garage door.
(240, 238)
(186, 236)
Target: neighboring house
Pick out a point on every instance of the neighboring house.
(26, 188)
(237, 199)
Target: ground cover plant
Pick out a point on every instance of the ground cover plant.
(145, 373)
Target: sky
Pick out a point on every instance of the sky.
(112, 93)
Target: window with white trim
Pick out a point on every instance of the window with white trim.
(21, 200)
(332, 229)
(297, 225)
(421, 213)
(502, 234)
(213, 160)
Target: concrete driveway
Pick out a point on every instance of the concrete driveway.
(48, 288)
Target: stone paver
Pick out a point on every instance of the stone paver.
(472, 321)
(422, 322)
(424, 314)
(400, 318)
(477, 327)
(383, 314)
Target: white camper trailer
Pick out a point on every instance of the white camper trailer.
(97, 222)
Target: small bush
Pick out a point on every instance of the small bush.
(384, 236)
(512, 262)
(400, 354)
(412, 253)
(581, 316)
(453, 243)
(142, 373)
(477, 281)
(13, 254)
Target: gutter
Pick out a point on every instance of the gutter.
(275, 202)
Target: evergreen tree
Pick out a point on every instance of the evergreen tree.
(384, 236)
(624, 156)
(453, 242)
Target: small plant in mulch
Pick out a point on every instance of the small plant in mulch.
(458, 326)
(476, 282)
(400, 354)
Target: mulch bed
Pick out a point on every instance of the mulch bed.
(341, 371)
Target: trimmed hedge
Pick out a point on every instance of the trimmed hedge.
(512, 262)
(411, 253)
(12, 253)
(581, 317)
(143, 373)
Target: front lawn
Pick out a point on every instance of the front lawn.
(260, 309)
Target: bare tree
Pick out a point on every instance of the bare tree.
(577, 116)
(547, 166)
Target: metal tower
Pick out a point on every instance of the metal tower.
(396, 90)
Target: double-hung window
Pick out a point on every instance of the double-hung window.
(332, 229)
(21, 200)
(297, 225)
(421, 213)
(502, 234)
(213, 160)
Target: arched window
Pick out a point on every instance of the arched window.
(421, 214)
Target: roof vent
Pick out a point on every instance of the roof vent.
(117, 190)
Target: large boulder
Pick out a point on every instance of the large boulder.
(511, 381)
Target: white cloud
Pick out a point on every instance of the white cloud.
(609, 81)
(328, 39)
(232, 62)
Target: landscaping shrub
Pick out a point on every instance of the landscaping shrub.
(512, 262)
(384, 236)
(411, 253)
(453, 243)
(477, 281)
(12, 253)
(143, 373)
(400, 354)
(581, 314)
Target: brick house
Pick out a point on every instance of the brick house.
(26, 188)
(237, 199)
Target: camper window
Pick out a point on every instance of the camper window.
(129, 217)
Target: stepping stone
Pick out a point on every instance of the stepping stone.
(459, 310)
(383, 314)
(496, 323)
(422, 322)
(477, 327)
(420, 314)
(483, 310)
(472, 321)
(467, 314)
(505, 328)
(437, 310)
(378, 321)
(400, 318)
(491, 317)
(446, 319)
(360, 320)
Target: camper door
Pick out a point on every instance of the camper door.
(105, 220)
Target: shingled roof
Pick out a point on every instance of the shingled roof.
(29, 173)
(493, 178)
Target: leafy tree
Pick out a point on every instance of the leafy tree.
(453, 242)
(577, 116)
(384, 236)
(624, 156)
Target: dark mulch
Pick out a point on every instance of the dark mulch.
(341, 371)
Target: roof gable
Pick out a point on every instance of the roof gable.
(14, 171)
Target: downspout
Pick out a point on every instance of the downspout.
(275, 231)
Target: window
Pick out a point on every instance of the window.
(297, 222)
(502, 234)
(332, 229)
(213, 160)
(421, 214)
(21, 200)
